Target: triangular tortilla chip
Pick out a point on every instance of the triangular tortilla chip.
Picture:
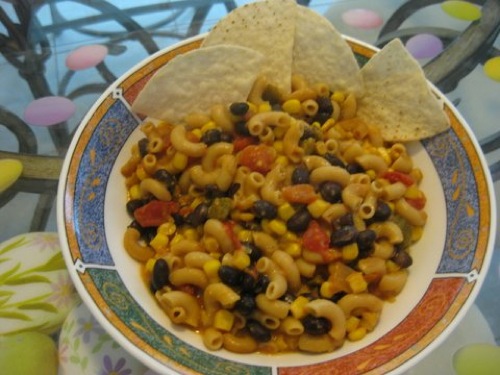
(267, 27)
(321, 54)
(398, 98)
(197, 80)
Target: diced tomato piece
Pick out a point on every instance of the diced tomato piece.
(316, 238)
(418, 203)
(229, 228)
(396, 176)
(155, 213)
(300, 193)
(258, 158)
(241, 142)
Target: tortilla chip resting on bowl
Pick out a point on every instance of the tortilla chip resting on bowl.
(197, 80)
(321, 54)
(398, 97)
(267, 27)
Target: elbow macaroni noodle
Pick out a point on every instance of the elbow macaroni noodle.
(230, 266)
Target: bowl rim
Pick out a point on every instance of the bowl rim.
(358, 46)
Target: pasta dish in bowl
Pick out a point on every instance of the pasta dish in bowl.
(267, 225)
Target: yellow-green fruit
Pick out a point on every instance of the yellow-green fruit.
(28, 353)
(477, 359)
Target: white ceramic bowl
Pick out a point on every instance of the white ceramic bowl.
(450, 261)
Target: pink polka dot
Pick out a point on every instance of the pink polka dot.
(424, 46)
(49, 110)
(362, 18)
(86, 57)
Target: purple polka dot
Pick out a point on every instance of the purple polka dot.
(362, 18)
(49, 110)
(86, 57)
(424, 46)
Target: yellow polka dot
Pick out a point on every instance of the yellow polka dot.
(492, 68)
(11, 171)
(462, 10)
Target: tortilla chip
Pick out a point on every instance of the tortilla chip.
(398, 98)
(321, 54)
(267, 27)
(195, 81)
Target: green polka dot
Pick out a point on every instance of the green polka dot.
(492, 68)
(462, 10)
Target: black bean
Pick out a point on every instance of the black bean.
(325, 105)
(345, 220)
(239, 108)
(264, 209)
(258, 331)
(230, 275)
(147, 233)
(365, 239)
(167, 178)
(178, 218)
(288, 297)
(226, 137)
(261, 284)
(337, 296)
(331, 191)
(334, 160)
(161, 273)
(309, 133)
(233, 188)
(198, 216)
(299, 221)
(321, 117)
(316, 325)
(354, 168)
(134, 204)
(382, 212)
(253, 251)
(343, 236)
(247, 282)
(300, 175)
(245, 305)
(212, 191)
(143, 146)
(211, 136)
(402, 259)
(241, 128)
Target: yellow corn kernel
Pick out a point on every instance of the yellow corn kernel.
(352, 323)
(285, 211)
(293, 249)
(372, 174)
(245, 235)
(252, 109)
(413, 192)
(289, 237)
(282, 160)
(141, 173)
(297, 307)
(357, 282)
(265, 226)
(350, 252)
(150, 265)
(357, 334)
(338, 96)
(318, 207)
(417, 175)
(180, 161)
(416, 233)
(223, 320)
(167, 228)
(208, 126)
(278, 146)
(382, 151)
(159, 242)
(369, 320)
(327, 289)
(292, 106)
(211, 268)
(264, 107)
(241, 260)
(197, 132)
(279, 132)
(210, 244)
(177, 238)
(134, 192)
(278, 227)
(190, 234)
(391, 266)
